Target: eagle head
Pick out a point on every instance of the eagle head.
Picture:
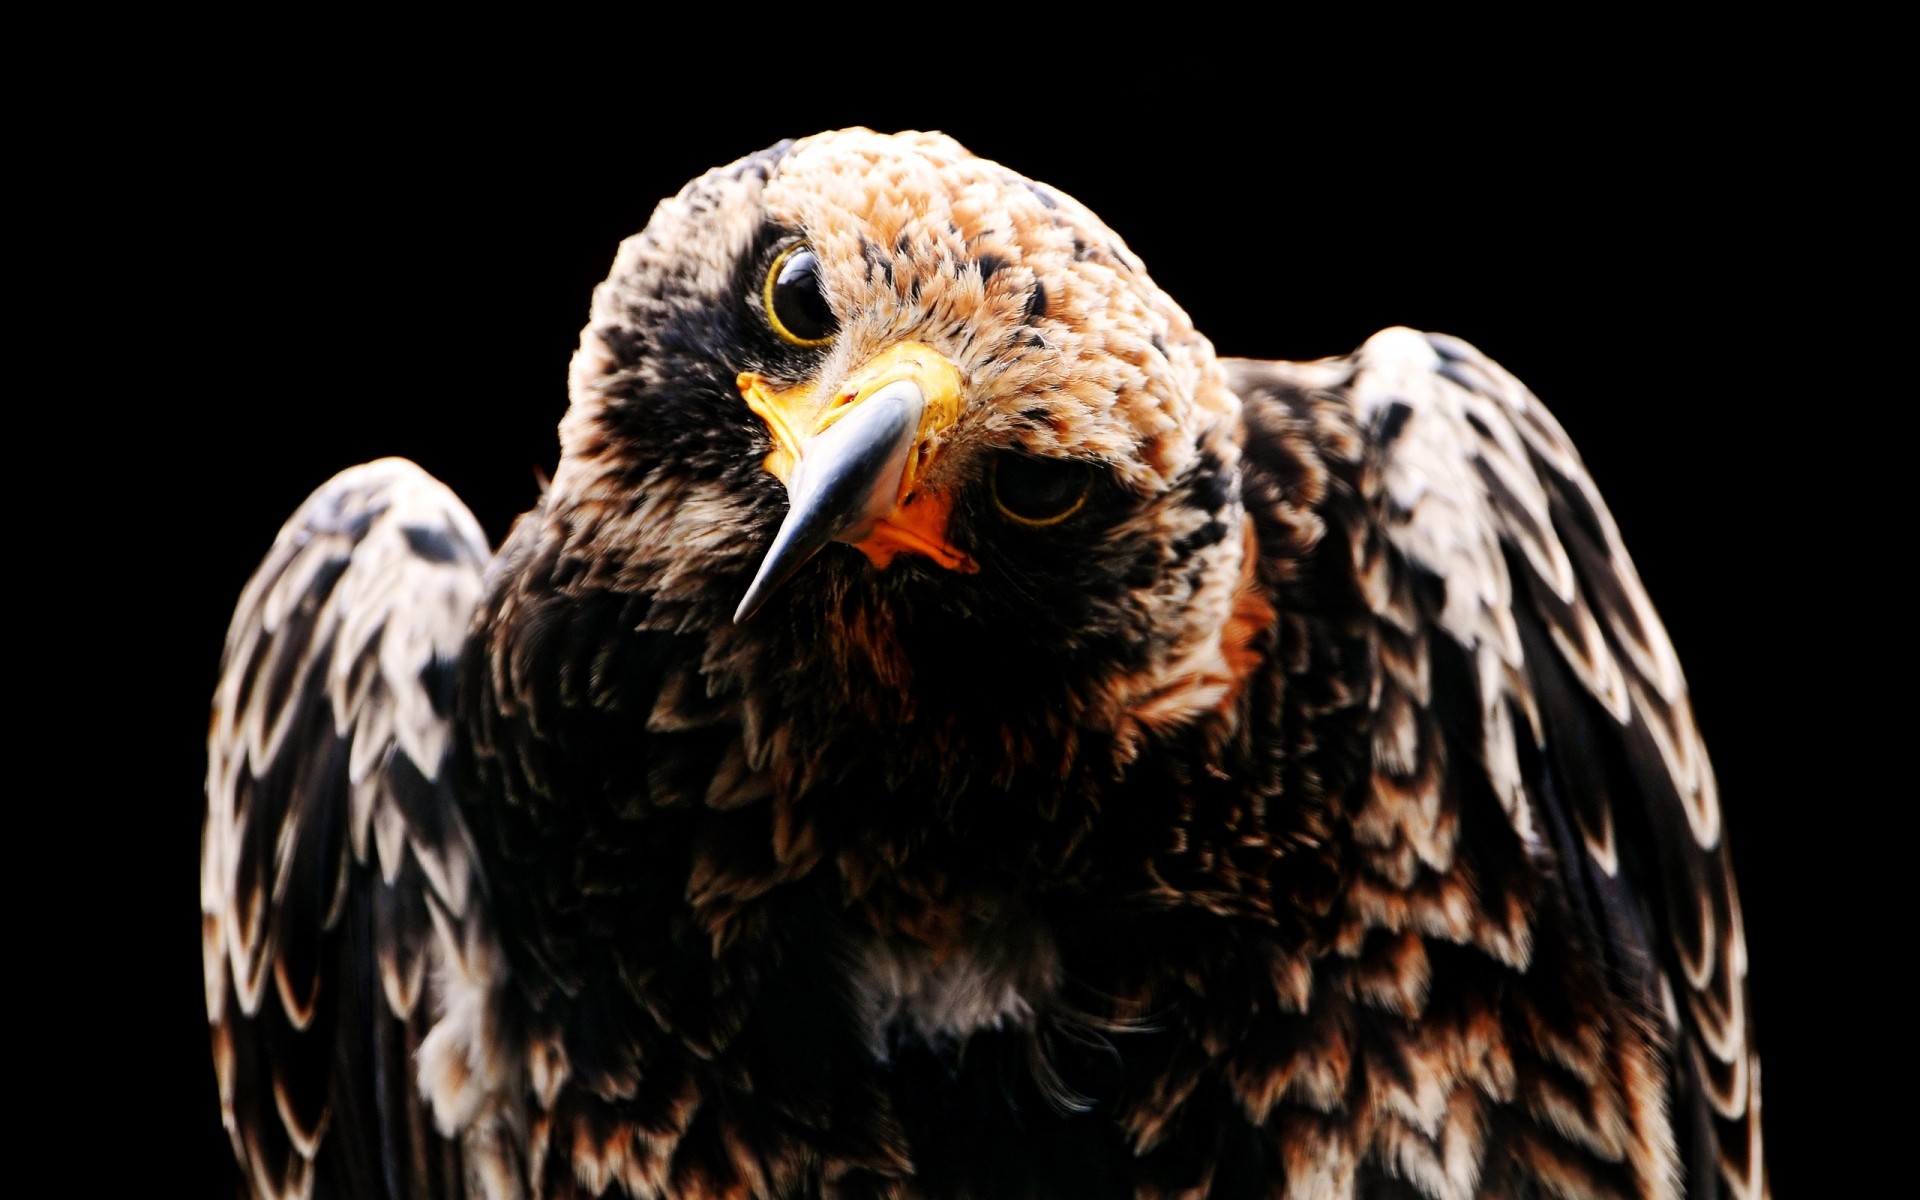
(917, 444)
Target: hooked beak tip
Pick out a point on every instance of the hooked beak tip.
(850, 475)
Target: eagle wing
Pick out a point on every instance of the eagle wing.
(332, 847)
(1487, 534)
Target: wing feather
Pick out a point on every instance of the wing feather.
(1585, 728)
(330, 837)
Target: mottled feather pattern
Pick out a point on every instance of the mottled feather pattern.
(1314, 810)
(1478, 489)
(330, 852)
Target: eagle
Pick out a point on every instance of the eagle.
(943, 733)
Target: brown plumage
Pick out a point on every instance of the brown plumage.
(1129, 773)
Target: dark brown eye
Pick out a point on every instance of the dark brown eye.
(796, 301)
(1040, 491)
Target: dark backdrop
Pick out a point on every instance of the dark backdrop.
(350, 265)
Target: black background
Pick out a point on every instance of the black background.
(294, 272)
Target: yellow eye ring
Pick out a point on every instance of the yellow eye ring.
(795, 303)
(1043, 491)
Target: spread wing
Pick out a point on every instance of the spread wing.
(331, 846)
(1584, 725)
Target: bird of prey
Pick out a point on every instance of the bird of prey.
(943, 733)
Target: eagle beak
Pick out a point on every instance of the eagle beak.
(851, 465)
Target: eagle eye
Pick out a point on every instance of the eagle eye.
(796, 299)
(1040, 491)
